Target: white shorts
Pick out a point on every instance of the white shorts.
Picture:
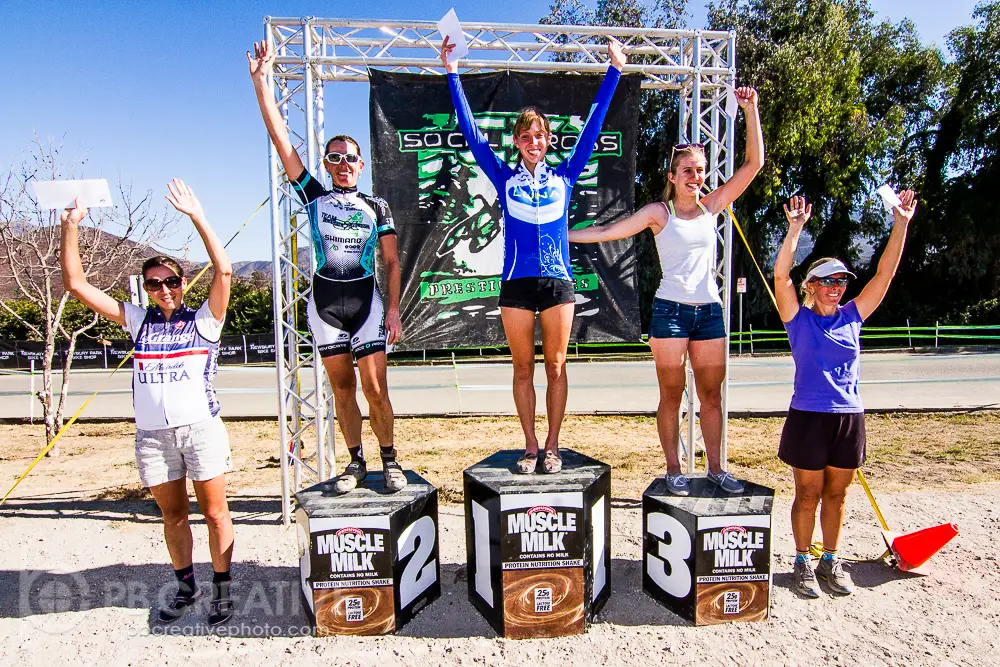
(199, 451)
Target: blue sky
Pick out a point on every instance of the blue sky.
(148, 91)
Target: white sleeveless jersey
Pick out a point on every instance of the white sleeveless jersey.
(173, 366)
(687, 250)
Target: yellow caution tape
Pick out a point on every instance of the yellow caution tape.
(76, 415)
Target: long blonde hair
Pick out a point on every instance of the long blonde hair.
(807, 298)
(675, 159)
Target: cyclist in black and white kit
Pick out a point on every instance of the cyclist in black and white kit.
(347, 314)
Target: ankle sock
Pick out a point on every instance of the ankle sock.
(356, 453)
(220, 585)
(801, 556)
(186, 585)
(387, 453)
(829, 554)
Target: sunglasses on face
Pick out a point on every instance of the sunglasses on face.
(154, 284)
(831, 282)
(337, 158)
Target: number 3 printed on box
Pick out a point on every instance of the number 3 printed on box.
(673, 555)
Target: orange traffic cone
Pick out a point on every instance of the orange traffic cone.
(912, 550)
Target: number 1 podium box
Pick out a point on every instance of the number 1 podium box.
(707, 556)
(539, 546)
(368, 559)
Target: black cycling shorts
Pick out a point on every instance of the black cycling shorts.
(536, 294)
(815, 440)
(347, 316)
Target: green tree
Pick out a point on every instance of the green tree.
(840, 93)
(953, 260)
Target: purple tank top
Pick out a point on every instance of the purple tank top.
(827, 355)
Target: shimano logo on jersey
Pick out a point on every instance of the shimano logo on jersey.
(343, 239)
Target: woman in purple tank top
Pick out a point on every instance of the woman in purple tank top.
(823, 439)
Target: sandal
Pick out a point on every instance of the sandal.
(527, 463)
(553, 462)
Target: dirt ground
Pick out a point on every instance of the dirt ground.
(83, 562)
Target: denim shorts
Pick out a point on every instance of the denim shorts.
(681, 320)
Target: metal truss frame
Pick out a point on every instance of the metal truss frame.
(313, 51)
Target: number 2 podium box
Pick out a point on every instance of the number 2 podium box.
(368, 559)
(707, 556)
(539, 546)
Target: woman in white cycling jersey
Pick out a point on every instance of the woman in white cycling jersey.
(535, 198)
(178, 430)
(687, 311)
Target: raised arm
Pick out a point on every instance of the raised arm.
(717, 200)
(261, 65)
(182, 198)
(873, 293)
(650, 215)
(797, 211)
(580, 155)
(73, 275)
(474, 137)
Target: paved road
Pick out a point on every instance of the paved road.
(758, 385)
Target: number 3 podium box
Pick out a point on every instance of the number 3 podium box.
(539, 546)
(707, 556)
(368, 559)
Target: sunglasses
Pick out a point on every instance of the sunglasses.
(686, 147)
(831, 282)
(337, 158)
(154, 284)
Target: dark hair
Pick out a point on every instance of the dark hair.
(162, 260)
(675, 158)
(344, 138)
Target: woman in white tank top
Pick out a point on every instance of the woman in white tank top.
(687, 312)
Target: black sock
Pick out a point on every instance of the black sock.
(186, 585)
(220, 585)
(356, 453)
(387, 453)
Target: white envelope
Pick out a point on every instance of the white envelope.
(92, 193)
(731, 104)
(450, 27)
(889, 197)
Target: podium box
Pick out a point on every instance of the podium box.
(368, 559)
(707, 556)
(539, 546)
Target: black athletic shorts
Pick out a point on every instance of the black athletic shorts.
(815, 440)
(346, 316)
(536, 294)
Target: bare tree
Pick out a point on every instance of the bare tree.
(111, 248)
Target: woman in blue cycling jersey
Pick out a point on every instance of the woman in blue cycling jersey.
(535, 197)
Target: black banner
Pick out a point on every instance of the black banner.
(448, 217)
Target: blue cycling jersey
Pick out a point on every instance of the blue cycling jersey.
(535, 206)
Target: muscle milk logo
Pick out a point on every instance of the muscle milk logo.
(734, 546)
(542, 529)
(350, 549)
